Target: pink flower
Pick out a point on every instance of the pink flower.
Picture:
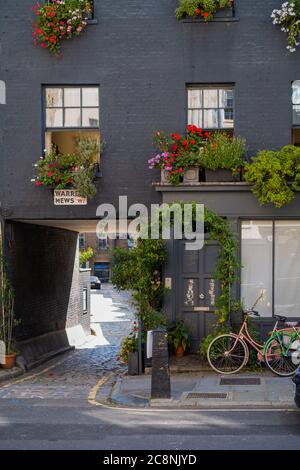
(49, 174)
(38, 183)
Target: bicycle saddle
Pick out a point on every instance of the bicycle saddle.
(280, 318)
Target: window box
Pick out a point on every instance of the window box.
(219, 176)
(186, 13)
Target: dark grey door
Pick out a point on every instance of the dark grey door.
(197, 290)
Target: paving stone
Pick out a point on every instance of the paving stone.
(74, 375)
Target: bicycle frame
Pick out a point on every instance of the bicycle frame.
(245, 336)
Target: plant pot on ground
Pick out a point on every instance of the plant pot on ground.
(179, 337)
(133, 363)
(9, 361)
(7, 318)
(222, 157)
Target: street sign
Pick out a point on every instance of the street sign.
(68, 197)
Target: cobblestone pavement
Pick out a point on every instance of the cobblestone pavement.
(74, 374)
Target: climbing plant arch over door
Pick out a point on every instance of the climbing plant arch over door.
(140, 268)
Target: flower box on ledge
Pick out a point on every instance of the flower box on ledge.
(223, 14)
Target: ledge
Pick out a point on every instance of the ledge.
(217, 187)
(92, 21)
(225, 19)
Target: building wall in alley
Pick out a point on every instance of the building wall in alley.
(43, 266)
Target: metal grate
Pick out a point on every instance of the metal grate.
(239, 381)
(207, 395)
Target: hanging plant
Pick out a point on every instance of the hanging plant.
(288, 18)
(205, 9)
(275, 176)
(58, 20)
(64, 171)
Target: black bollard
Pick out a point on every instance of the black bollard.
(160, 384)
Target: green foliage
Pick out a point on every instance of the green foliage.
(62, 171)
(179, 335)
(139, 270)
(85, 255)
(59, 20)
(223, 152)
(275, 175)
(7, 316)
(84, 183)
(129, 344)
(201, 8)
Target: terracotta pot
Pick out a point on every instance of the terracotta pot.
(179, 351)
(10, 361)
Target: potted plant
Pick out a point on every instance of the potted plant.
(288, 18)
(180, 155)
(204, 9)
(222, 157)
(58, 20)
(63, 171)
(129, 351)
(179, 337)
(7, 319)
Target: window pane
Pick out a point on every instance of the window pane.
(53, 97)
(90, 117)
(296, 92)
(210, 98)
(90, 97)
(54, 117)
(257, 254)
(226, 98)
(226, 118)
(195, 118)
(72, 97)
(195, 99)
(287, 268)
(296, 115)
(72, 117)
(211, 119)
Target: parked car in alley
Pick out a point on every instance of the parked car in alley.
(95, 282)
(296, 380)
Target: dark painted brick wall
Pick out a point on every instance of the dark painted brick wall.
(142, 58)
(44, 269)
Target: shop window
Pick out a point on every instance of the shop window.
(211, 107)
(71, 113)
(271, 266)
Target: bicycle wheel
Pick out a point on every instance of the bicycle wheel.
(225, 357)
(280, 361)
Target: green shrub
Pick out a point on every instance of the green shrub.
(201, 8)
(223, 152)
(275, 175)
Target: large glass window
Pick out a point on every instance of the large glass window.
(72, 107)
(211, 107)
(257, 265)
(71, 113)
(296, 102)
(271, 266)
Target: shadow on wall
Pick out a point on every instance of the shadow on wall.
(43, 265)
